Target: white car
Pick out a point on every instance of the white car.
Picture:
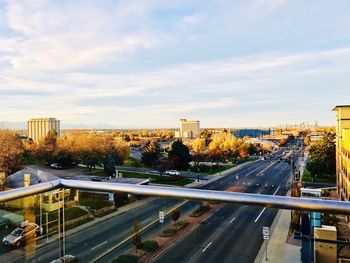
(172, 172)
(21, 234)
(56, 166)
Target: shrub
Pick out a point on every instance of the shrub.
(127, 258)
(150, 245)
(200, 211)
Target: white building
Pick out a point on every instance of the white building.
(188, 129)
(39, 128)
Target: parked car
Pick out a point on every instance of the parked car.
(172, 172)
(56, 166)
(18, 236)
(4, 223)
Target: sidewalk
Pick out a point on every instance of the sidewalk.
(281, 246)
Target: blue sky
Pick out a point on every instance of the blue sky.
(148, 63)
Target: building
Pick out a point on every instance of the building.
(325, 252)
(188, 129)
(39, 128)
(343, 150)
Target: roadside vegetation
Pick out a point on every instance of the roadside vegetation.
(321, 165)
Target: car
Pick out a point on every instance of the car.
(56, 166)
(66, 259)
(172, 172)
(18, 236)
(4, 223)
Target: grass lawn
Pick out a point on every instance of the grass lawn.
(30, 160)
(130, 162)
(94, 203)
(308, 177)
(160, 179)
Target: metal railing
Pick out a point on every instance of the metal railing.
(329, 206)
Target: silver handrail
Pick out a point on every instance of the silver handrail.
(283, 202)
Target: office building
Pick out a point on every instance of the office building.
(188, 129)
(39, 128)
(343, 150)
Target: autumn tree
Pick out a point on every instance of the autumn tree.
(11, 152)
(46, 149)
(224, 144)
(198, 146)
(307, 140)
(243, 151)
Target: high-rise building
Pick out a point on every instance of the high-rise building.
(39, 128)
(343, 151)
(188, 129)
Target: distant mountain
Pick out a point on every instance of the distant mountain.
(13, 125)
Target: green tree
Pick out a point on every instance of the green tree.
(151, 154)
(180, 155)
(322, 155)
(11, 152)
(175, 214)
(109, 166)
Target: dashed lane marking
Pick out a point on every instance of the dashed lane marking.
(207, 247)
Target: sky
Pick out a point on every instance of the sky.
(146, 64)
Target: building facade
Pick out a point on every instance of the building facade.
(343, 151)
(39, 128)
(188, 129)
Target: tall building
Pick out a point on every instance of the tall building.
(343, 151)
(39, 128)
(188, 129)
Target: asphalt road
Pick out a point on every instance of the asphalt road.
(233, 233)
(259, 177)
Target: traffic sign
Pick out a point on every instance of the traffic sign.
(161, 216)
(266, 232)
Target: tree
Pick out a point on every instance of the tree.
(151, 154)
(11, 152)
(175, 214)
(198, 146)
(307, 140)
(322, 155)
(46, 149)
(180, 155)
(243, 151)
(137, 240)
(109, 166)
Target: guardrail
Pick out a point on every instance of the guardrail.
(327, 206)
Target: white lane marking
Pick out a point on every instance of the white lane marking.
(254, 170)
(276, 190)
(103, 243)
(267, 167)
(279, 165)
(146, 220)
(206, 247)
(256, 220)
(233, 219)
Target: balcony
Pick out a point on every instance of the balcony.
(167, 224)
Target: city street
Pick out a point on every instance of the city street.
(101, 241)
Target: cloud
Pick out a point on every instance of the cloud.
(151, 62)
